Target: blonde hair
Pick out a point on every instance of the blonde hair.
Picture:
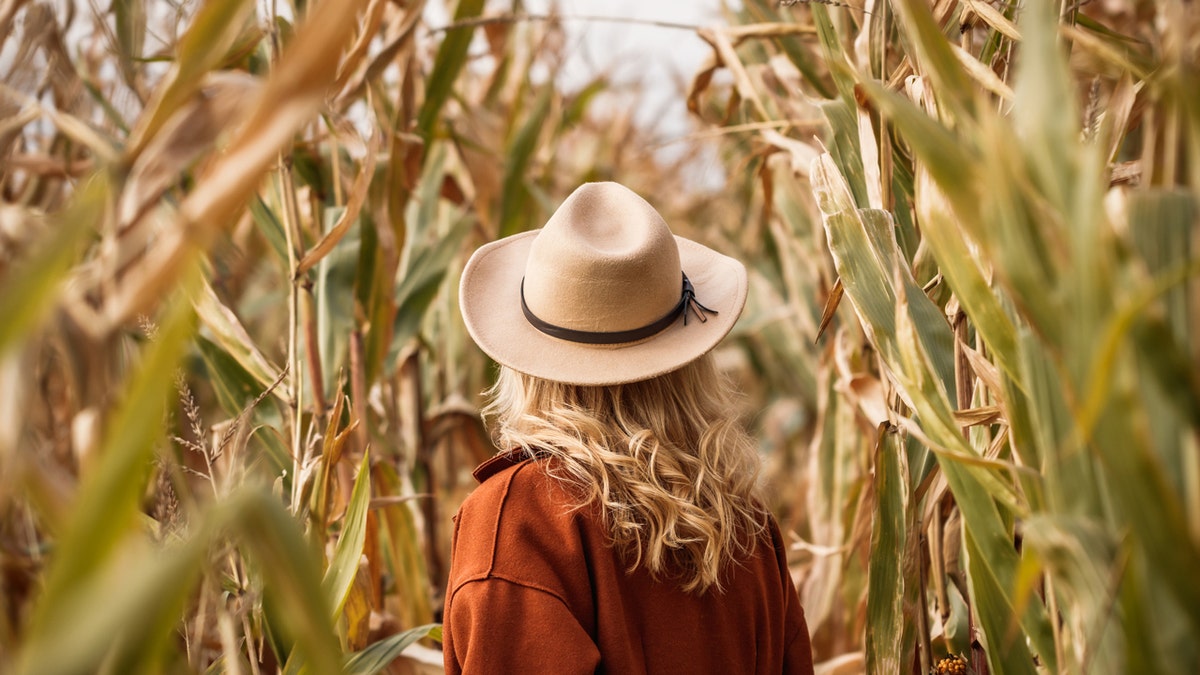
(671, 468)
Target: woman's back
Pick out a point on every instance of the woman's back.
(543, 591)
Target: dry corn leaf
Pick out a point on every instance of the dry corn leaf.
(398, 46)
(356, 54)
(982, 74)
(67, 124)
(992, 17)
(9, 125)
(213, 31)
(701, 81)
(831, 304)
(867, 393)
(228, 332)
(43, 165)
(869, 151)
(728, 57)
(1101, 48)
(985, 370)
(358, 195)
(294, 91)
(801, 155)
(739, 34)
(971, 417)
(1118, 112)
(192, 130)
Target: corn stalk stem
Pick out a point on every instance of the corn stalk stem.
(292, 241)
(412, 419)
(313, 350)
(336, 165)
(358, 389)
(292, 236)
(251, 648)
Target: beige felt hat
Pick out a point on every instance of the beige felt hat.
(603, 294)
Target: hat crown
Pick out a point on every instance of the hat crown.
(605, 261)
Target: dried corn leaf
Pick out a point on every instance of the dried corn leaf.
(358, 195)
(292, 94)
(229, 333)
(992, 17)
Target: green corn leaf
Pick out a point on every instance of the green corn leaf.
(339, 577)
(831, 48)
(105, 619)
(375, 291)
(1160, 223)
(295, 606)
(579, 105)
(378, 656)
(915, 341)
(401, 537)
(916, 374)
(1134, 478)
(450, 59)
(949, 160)
(231, 383)
(124, 626)
(892, 579)
(130, 21)
(1017, 232)
(1025, 436)
(109, 496)
(845, 148)
(1156, 638)
(1044, 113)
(420, 285)
(514, 196)
(106, 507)
(942, 233)
(29, 289)
(837, 439)
(269, 225)
(333, 295)
(1084, 563)
(793, 47)
(868, 259)
(1006, 649)
(1005, 220)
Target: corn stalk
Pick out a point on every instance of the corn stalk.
(1006, 195)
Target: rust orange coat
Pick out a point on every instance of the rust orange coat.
(535, 588)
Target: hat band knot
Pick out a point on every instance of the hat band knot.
(687, 301)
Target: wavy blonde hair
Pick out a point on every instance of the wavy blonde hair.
(673, 471)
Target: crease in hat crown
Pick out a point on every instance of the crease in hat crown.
(605, 261)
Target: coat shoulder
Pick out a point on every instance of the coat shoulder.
(516, 515)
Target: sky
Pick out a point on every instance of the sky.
(665, 58)
(653, 53)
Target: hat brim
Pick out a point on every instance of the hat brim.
(490, 300)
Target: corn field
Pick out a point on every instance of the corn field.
(238, 406)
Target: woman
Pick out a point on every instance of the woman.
(621, 531)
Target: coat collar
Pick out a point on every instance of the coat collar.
(495, 465)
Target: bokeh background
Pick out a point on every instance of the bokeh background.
(238, 406)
